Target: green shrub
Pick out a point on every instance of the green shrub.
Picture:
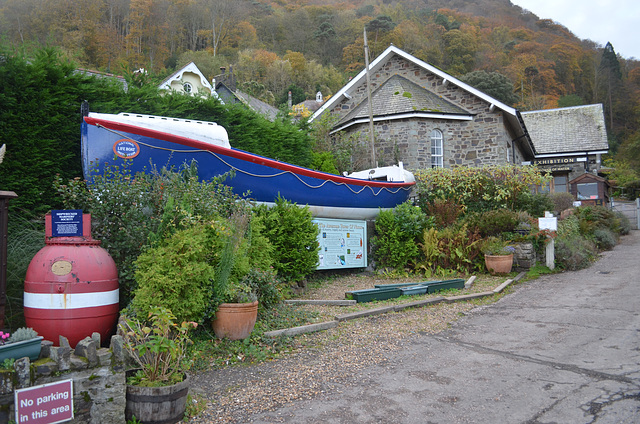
(479, 189)
(574, 252)
(294, 238)
(179, 272)
(492, 223)
(444, 212)
(623, 223)
(561, 201)
(453, 248)
(569, 226)
(267, 287)
(594, 219)
(398, 233)
(535, 203)
(605, 238)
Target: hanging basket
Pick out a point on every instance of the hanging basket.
(498, 264)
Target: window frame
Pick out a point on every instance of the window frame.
(437, 159)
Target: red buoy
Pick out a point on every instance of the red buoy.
(71, 288)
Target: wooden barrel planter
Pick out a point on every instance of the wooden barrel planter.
(235, 321)
(498, 264)
(157, 405)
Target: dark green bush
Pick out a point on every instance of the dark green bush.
(492, 223)
(535, 203)
(294, 237)
(574, 252)
(398, 233)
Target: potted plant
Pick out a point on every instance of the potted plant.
(498, 255)
(157, 389)
(23, 342)
(239, 282)
(237, 310)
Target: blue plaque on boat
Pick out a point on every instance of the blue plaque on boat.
(66, 223)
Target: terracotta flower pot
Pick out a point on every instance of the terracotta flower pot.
(498, 264)
(235, 321)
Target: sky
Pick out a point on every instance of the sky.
(597, 20)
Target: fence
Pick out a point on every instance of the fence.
(630, 209)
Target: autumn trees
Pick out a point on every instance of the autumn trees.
(304, 47)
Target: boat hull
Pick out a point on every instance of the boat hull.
(252, 176)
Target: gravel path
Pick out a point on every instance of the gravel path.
(327, 361)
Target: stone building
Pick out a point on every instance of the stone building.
(424, 117)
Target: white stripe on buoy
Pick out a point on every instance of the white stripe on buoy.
(70, 300)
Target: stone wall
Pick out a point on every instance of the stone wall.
(526, 257)
(98, 374)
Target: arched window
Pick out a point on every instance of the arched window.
(437, 150)
(187, 87)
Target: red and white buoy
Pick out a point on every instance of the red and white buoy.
(71, 288)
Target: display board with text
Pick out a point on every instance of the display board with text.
(343, 243)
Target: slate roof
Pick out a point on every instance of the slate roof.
(263, 108)
(100, 74)
(398, 96)
(575, 129)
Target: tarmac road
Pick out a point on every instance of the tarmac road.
(564, 348)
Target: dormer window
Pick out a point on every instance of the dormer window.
(187, 87)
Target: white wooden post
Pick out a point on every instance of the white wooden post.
(550, 254)
(549, 222)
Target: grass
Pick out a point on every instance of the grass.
(25, 238)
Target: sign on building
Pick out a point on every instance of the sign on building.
(343, 243)
(46, 404)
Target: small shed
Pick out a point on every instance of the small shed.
(590, 189)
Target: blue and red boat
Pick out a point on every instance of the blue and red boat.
(145, 139)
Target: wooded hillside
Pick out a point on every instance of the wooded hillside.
(305, 46)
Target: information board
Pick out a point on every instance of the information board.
(46, 404)
(343, 243)
(66, 223)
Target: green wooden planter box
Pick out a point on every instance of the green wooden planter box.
(400, 285)
(369, 295)
(17, 350)
(413, 290)
(457, 283)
